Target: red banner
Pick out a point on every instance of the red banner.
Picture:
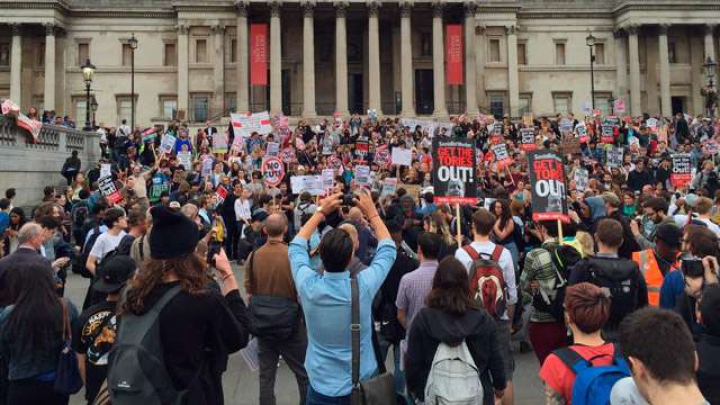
(454, 54)
(258, 54)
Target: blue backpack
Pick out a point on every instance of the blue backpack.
(593, 384)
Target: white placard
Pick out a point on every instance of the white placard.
(105, 170)
(328, 176)
(185, 159)
(311, 184)
(245, 124)
(273, 149)
(401, 156)
(168, 144)
(389, 187)
(362, 175)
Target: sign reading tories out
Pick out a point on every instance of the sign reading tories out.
(681, 170)
(454, 171)
(547, 177)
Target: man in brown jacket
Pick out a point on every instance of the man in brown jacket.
(267, 273)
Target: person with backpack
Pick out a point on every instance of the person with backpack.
(96, 327)
(79, 214)
(620, 277)
(492, 284)
(566, 372)
(453, 351)
(275, 311)
(186, 325)
(116, 222)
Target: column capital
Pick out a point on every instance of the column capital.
(663, 29)
(308, 7)
(619, 33)
(275, 8)
(470, 8)
(632, 29)
(405, 8)
(341, 8)
(710, 29)
(16, 29)
(510, 30)
(183, 29)
(49, 29)
(373, 8)
(218, 28)
(438, 7)
(242, 7)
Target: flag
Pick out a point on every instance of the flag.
(258, 54)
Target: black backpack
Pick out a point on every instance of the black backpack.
(275, 318)
(621, 278)
(87, 247)
(564, 259)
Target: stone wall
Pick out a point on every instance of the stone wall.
(29, 167)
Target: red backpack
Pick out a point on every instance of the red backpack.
(487, 284)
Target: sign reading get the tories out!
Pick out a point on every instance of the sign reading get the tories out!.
(454, 171)
(547, 177)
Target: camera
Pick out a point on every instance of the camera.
(214, 248)
(348, 199)
(692, 268)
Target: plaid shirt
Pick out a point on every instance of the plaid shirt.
(539, 267)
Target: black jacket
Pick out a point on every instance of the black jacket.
(708, 374)
(22, 255)
(432, 326)
(637, 180)
(629, 244)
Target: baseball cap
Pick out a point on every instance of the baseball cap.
(114, 274)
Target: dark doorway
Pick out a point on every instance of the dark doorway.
(284, 93)
(424, 96)
(355, 93)
(678, 104)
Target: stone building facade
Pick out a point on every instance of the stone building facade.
(350, 56)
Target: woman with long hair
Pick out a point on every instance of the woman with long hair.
(17, 220)
(199, 326)
(451, 318)
(505, 227)
(434, 223)
(31, 334)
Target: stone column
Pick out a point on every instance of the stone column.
(374, 94)
(406, 65)
(513, 81)
(219, 69)
(308, 61)
(665, 106)
(242, 104)
(439, 61)
(275, 59)
(471, 104)
(709, 42)
(621, 64)
(183, 96)
(341, 69)
(16, 65)
(635, 103)
(49, 102)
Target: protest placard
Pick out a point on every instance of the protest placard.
(615, 157)
(185, 159)
(527, 139)
(288, 155)
(619, 106)
(382, 155)
(149, 134)
(608, 134)
(220, 144)
(207, 166)
(681, 170)
(221, 194)
(566, 126)
(273, 171)
(362, 176)
(312, 184)
(245, 124)
(108, 189)
(570, 143)
(502, 157)
(454, 171)
(581, 132)
(167, 145)
(401, 157)
(105, 170)
(547, 176)
(581, 179)
(362, 149)
(273, 149)
(328, 178)
(389, 187)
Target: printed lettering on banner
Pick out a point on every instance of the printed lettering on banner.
(454, 179)
(221, 194)
(581, 132)
(207, 166)
(652, 123)
(167, 145)
(382, 155)
(362, 149)
(501, 156)
(288, 155)
(389, 187)
(105, 170)
(566, 126)
(581, 179)
(681, 170)
(401, 157)
(362, 176)
(608, 134)
(185, 159)
(273, 170)
(108, 189)
(328, 178)
(615, 157)
(273, 149)
(327, 146)
(245, 124)
(149, 134)
(527, 139)
(547, 176)
(527, 120)
(312, 184)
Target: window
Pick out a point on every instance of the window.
(602, 103)
(233, 51)
(230, 102)
(124, 109)
(562, 103)
(126, 54)
(560, 53)
(83, 53)
(600, 54)
(170, 56)
(521, 57)
(672, 52)
(4, 54)
(497, 104)
(494, 53)
(201, 51)
(40, 56)
(79, 107)
(200, 107)
(525, 105)
(168, 106)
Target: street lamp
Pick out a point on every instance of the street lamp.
(94, 106)
(133, 42)
(88, 71)
(710, 94)
(590, 42)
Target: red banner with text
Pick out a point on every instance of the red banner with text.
(258, 54)
(454, 54)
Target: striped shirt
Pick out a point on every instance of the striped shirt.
(413, 291)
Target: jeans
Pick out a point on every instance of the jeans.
(293, 352)
(316, 398)
(398, 372)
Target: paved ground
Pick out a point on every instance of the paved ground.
(241, 383)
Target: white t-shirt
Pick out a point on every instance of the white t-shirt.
(106, 243)
(682, 220)
(505, 262)
(242, 210)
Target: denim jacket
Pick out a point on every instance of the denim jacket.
(26, 363)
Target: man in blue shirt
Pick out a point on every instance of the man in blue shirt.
(326, 301)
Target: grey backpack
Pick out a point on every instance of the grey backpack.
(136, 371)
(454, 378)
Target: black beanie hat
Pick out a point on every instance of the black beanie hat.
(172, 235)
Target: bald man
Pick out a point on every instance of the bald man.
(355, 265)
(267, 275)
(365, 236)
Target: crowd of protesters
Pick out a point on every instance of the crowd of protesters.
(628, 284)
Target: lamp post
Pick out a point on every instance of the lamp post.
(94, 106)
(133, 42)
(88, 71)
(710, 94)
(590, 42)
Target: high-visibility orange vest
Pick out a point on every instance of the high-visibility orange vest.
(651, 271)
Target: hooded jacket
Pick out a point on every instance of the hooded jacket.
(432, 326)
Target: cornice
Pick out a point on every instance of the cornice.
(56, 5)
(90, 13)
(658, 6)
